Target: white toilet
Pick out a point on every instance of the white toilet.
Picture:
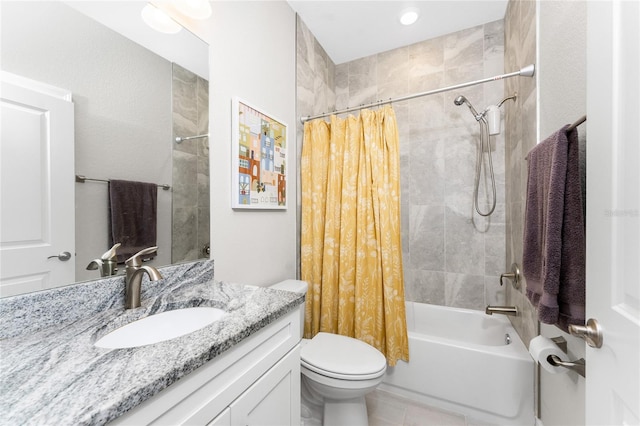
(338, 371)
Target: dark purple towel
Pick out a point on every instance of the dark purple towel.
(133, 211)
(554, 236)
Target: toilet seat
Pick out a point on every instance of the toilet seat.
(342, 357)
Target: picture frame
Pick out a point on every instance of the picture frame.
(259, 159)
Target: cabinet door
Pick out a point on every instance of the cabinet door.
(274, 399)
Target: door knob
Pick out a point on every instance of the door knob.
(590, 333)
(64, 256)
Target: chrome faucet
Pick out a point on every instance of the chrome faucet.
(133, 278)
(504, 310)
(107, 264)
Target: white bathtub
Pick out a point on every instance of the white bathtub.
(460, 361)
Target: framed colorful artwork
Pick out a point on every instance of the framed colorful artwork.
(259, 166)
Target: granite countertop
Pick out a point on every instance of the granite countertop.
(51, 372)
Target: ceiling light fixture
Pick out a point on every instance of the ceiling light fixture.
(409, 16)
(196, 9)
(159, 20)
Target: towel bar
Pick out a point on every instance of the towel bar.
(82, 179)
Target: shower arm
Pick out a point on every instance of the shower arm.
(514, 97)
(483, 113)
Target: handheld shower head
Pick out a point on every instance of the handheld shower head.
(462, 100)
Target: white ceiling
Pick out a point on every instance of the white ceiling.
(350, 30)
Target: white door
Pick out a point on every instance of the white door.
(37, 187)
(613, 211)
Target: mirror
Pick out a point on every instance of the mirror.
(134, 90)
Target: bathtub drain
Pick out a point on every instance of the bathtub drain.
(507, 339)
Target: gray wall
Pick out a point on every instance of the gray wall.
(122, 98)
(452, 256)
(252, 56)
(562, 87)
(521, 132)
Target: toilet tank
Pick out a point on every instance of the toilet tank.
(296, 286)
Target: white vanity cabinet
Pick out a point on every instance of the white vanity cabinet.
(255, 382)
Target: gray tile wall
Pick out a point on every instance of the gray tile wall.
(452, 256)
(315, 94)
(190, 218)
(521, 134)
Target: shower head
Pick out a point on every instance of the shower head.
(462, 100)
(459, 100)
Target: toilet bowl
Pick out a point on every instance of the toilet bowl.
(342, 370)
(338, 371)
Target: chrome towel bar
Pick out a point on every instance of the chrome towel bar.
(82, 179)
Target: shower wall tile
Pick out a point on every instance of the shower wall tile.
(426, 82)
(475, 94)
(460, 158)
(426, 57)
(426, 239)
(203, 183)
(494, 40)
(184, 107)
(204, 224)
(494, 293)
(393, 66)
(425, 286)
(190, 166)
(185, 178)
(202, 98)
(320, 87)
(305, 43)
(321, 62)
(464, 246)
(427, 168)
(494, 249)
(342, 86)
(521, 135)
(320, 101)
(363, 75)
(305, 84)
(185, 220)
(426, 114)
(464, 291)
(464, 47)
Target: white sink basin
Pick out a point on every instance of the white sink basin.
(160, 327)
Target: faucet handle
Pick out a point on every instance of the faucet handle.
(111, 253)
(136, 259)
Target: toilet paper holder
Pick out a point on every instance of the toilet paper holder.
(579, 366)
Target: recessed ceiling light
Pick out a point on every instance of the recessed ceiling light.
(159, 20)
(409, 16)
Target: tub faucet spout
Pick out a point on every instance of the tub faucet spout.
(504, 310)
(133, 278)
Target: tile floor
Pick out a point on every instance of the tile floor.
(387, 409)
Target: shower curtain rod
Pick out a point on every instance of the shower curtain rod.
(527, 71)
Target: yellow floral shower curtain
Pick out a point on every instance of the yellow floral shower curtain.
(351, 252)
